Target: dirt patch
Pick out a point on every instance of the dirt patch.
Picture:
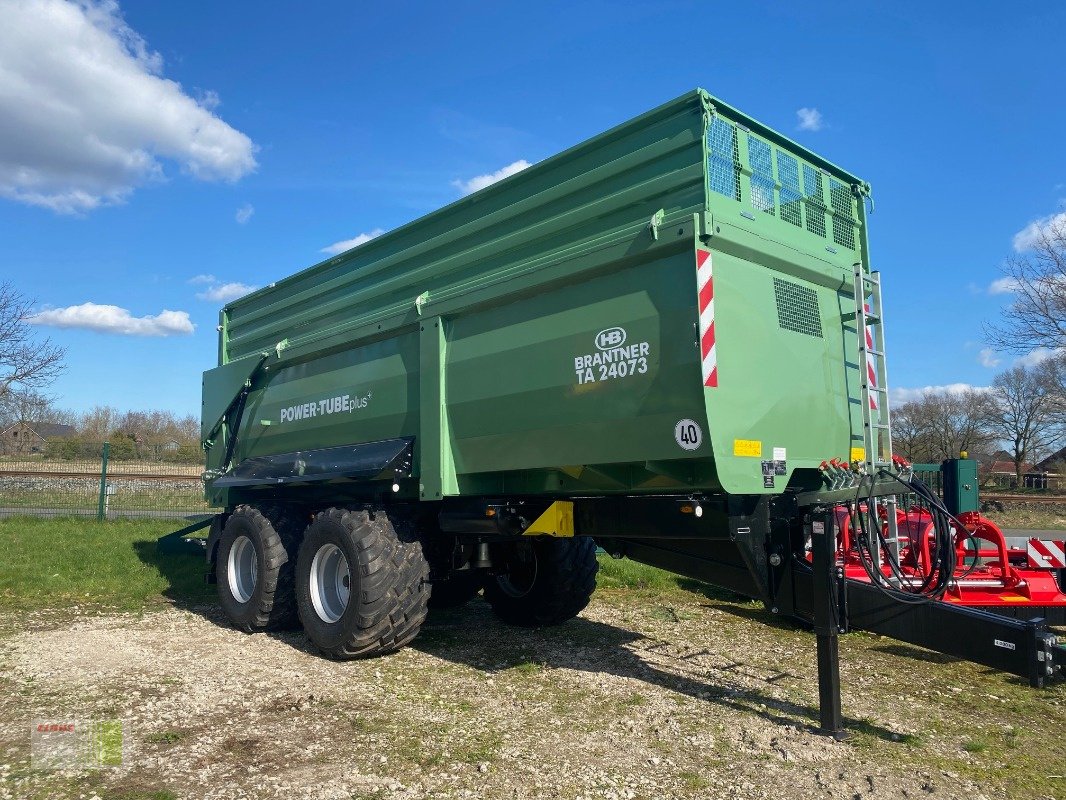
(681, 698)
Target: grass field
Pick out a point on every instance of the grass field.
(59, 563)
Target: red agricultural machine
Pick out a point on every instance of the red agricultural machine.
(973, 562)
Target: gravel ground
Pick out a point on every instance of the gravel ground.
(638, 698)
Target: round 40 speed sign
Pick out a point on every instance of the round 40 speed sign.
(688, 434)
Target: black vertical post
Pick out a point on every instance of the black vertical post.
(826, 623)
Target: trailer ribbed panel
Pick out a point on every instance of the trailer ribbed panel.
(587, 195)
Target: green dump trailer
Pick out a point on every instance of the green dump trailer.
(650, 342)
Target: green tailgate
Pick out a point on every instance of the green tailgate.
(544, 334)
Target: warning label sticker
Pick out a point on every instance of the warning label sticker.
(768, 471)
(751, 448)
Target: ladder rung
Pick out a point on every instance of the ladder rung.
(871, 352)
(879, 425)
(871, 318)
(880, 389)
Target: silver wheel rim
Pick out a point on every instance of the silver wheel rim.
(242, 569)
(330, 583)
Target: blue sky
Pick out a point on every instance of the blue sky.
(158, 156)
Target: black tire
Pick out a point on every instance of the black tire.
(387, 582)
(264, 601)
(550, 580)
(290, 521)
(456, 590)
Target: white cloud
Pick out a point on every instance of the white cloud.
(900, 395)
(348, 244)
(988, 358)
(112, 319)
(809, 119)
(244, 213)
(1037, 356)
(88, 116)
(208, 98)
(481, 181)
(1005, 285)
(224, 292)
(219, 292)
(1035, 231)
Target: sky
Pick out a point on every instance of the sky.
(159, 159)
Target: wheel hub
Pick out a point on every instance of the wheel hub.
(242, 569)
(331, 583)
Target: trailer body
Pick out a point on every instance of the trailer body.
(544, 336)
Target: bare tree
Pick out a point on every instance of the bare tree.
(1055, 373)
(27, 364)
(98, 423)
(142, 427)
(32, 408)
(1020, 413)
(941, 425)
(1037, 317)
(189, 426)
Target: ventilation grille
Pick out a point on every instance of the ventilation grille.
(797, 308)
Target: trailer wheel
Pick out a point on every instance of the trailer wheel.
(548, 581)
(456, 590)
(254, 573)
(362, 583)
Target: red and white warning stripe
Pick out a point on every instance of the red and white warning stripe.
(871, 367)
(1047, 554)
(705, 282)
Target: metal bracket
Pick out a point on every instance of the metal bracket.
(862, 191)
(654, 223)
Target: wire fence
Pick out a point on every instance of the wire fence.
(1031, 481)
(91, 482)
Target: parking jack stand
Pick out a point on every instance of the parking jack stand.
(826, 621)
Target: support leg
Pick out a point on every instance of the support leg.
(826, 623)
(831, 722)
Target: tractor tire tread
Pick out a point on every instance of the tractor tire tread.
(393, 583)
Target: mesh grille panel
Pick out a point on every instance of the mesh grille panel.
(843, 227)
(780, 182)
(797, 308)
(815, 205)
(791, 196)
(762, 175)
(724, 158)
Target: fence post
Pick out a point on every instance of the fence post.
(101, 505)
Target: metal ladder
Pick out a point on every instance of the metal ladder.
(873, 394)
